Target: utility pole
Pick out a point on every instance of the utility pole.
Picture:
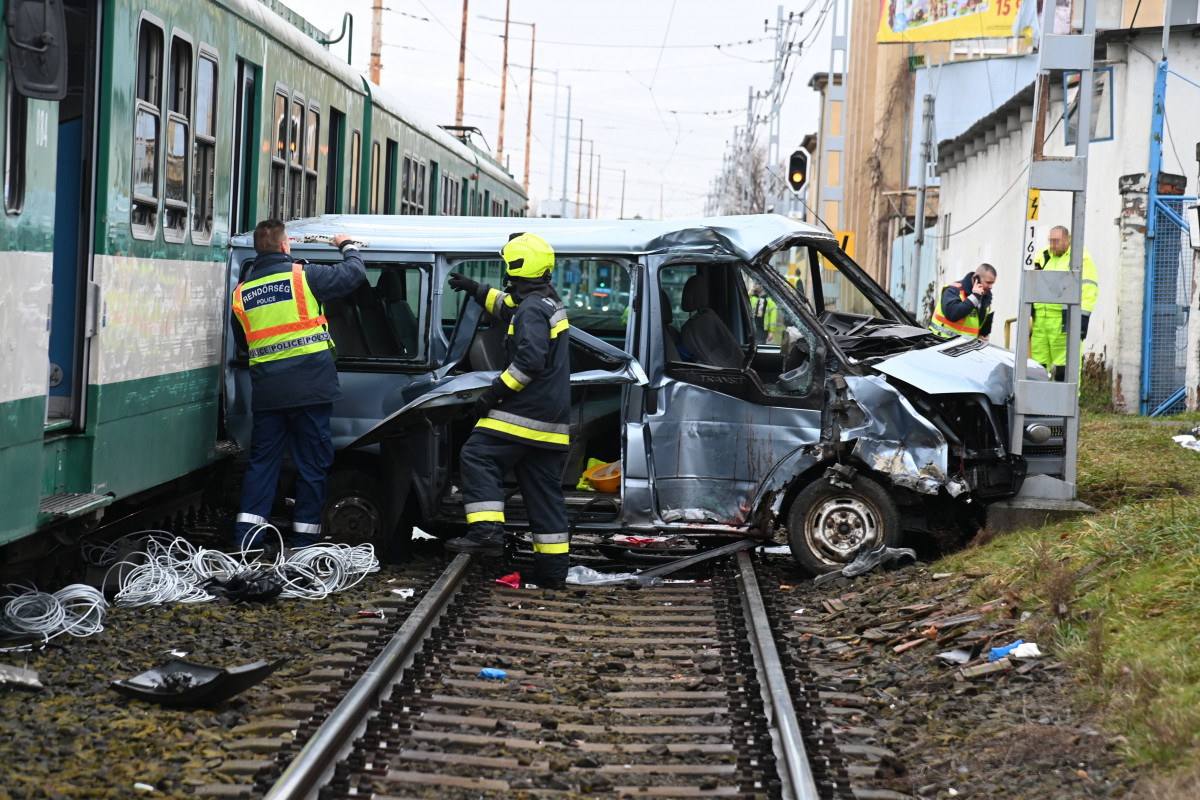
(914, 275)
(591, 163)
(503, 86)
(597, 186)
(462, 64)
(783, 48)
(529, 105)
(376, 40)
(579, 171)
(566, 153)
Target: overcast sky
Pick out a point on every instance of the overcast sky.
(655, 94)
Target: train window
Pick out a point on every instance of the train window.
(374, 177)
(419, 194)
(278, 203)
(179, 95)
(355, 170)
(486, 204)
(431, 207)
(406, 182)
(204, 147)
(245, 150)
(311, 142)
(147, 119)
(389, 177)
(296, 159)
(14, 148)
(333, 176)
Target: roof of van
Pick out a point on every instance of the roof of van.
(741, 236)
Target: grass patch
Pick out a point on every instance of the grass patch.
(1117, 593)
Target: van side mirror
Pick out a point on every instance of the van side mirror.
(37, 48)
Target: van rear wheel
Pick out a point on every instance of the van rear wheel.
(355, 508)
(828, 524)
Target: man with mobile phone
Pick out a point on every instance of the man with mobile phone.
(965, 307)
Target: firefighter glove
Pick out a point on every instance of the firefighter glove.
(461, 283)
(486, 402)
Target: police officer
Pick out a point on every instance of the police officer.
(1048, 333)
(964, 307)
(278, 317)
(523, 416)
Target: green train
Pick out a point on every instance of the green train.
(136, 138)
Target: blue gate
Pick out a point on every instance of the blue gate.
(1167, 303)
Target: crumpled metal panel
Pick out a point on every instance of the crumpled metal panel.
(895, 440)
(709, 463)
(960, 366)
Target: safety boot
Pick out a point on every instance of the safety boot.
(484, 544)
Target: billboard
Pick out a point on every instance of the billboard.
(943, 20)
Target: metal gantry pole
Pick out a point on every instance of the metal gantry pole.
(1071, 52)
(914, 274)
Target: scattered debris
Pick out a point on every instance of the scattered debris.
(404, 593)
(512, 579)
(868, 560)
(1189, 440)
(186, 683)
(495, 674)
(1000, 652)
(980, 670)
(956, 656)
(19, 677)
(1027, 650)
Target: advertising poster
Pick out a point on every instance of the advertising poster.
(944, 20)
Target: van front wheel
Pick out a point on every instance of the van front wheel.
(355, 507)
(828, 525)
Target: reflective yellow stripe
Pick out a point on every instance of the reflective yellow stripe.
(523, 432)
(551, 548)
(559, 328)
(511, 330)
(511, 382)
(485, 516)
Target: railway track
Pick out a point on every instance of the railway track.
(679, 690)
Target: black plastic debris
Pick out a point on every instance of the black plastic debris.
(249, 586)
(186, 683)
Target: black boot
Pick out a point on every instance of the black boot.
(490, 544)
(550, 571)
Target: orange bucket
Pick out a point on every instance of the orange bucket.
(605, 477)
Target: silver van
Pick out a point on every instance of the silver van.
(743, 371)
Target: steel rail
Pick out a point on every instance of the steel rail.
(795, 773)
(313, 765)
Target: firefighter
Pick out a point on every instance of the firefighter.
(965, 307)
(524, 415)
(1048, 339)
(277, 315)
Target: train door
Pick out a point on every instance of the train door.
(245, 134)
(71, 324)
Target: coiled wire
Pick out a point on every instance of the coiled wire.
(76, 610)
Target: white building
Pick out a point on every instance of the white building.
(984, 182)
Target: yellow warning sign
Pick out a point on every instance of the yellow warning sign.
(1035, 202)
(845, 241)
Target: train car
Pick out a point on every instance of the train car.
(136, 138)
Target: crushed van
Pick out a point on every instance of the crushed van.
(746, 376)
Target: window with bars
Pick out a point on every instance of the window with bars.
(204, 147)
(177, 144)
(355, 171)
(147, 120)
(278, 202)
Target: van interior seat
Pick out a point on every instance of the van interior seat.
(705, 334)
(343, 327)
(376, 331)
(398, 312)
(671, 339)
(487, 348)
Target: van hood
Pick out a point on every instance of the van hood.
(960, 366)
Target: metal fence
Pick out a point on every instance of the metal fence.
(1167, 304)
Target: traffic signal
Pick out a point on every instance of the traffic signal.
(798, 170)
